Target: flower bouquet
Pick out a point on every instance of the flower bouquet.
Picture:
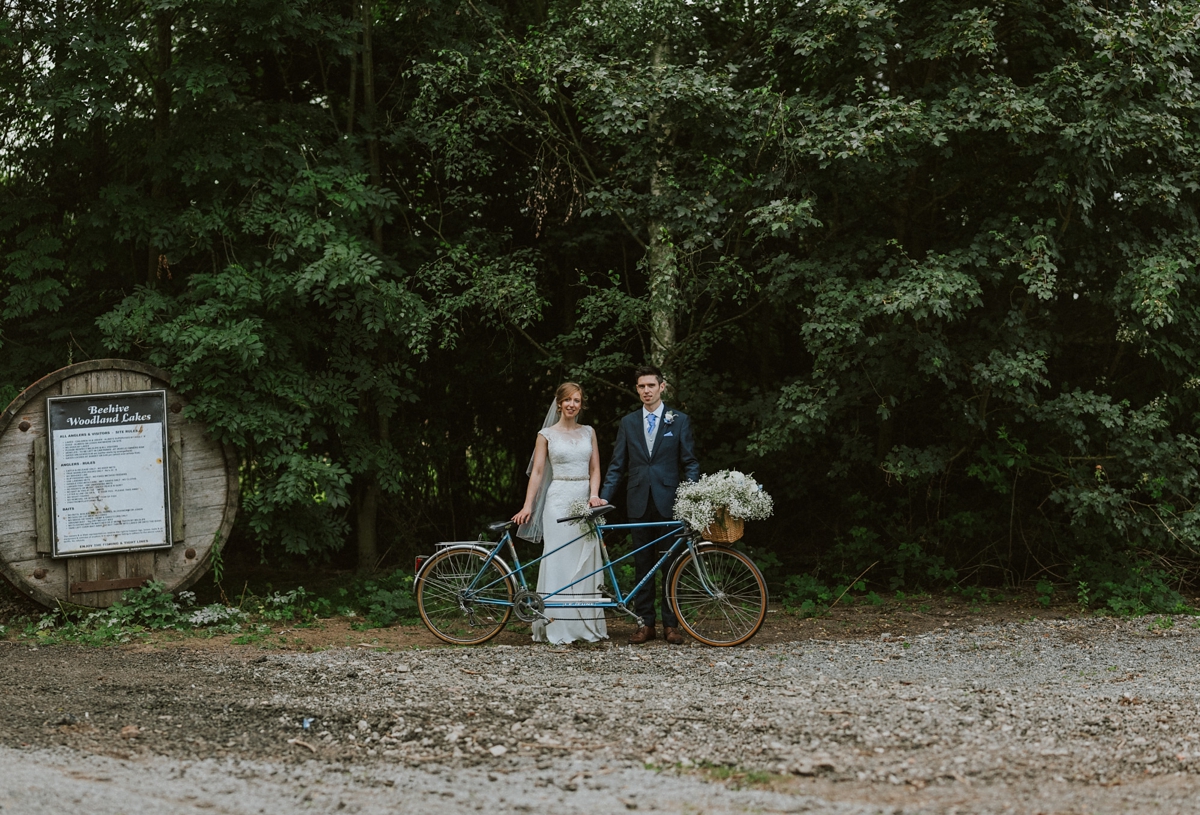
(719, 503)
(586, 523)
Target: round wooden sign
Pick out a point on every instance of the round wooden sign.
(196, 482)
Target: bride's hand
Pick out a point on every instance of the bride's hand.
(522, 517)
(596, 502)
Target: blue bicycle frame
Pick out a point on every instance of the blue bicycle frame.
(682, 539)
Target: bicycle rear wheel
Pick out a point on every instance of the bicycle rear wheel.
(718, 594)
(461, 604)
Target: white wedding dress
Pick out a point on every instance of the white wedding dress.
(570, 455)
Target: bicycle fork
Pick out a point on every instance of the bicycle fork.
(702, 572)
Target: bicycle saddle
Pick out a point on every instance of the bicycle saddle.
(496, 526)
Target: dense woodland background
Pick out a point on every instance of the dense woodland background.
(927, 269)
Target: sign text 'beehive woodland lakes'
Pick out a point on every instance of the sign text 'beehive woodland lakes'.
(106, 415)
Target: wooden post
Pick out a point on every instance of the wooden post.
(41, 493)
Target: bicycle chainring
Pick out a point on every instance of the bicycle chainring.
(528, 606)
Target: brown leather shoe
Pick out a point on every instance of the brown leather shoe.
(643, 634)
(672, 635)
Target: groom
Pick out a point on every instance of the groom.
(654, 447)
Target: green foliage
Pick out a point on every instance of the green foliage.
(297, 606)
(805, 596)
(138, 612)
(1130, 589)
(907, 561)
(931, 269)
(383, 600)
(1083, 594)
(1162, 624)
(1045, 592)
(245, 240)
(626, 574)
(977, 596)
(216, 559)
(768, 562)
(624, 570)
(251, 637)
(150, 606)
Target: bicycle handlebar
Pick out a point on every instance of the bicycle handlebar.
(591, 513)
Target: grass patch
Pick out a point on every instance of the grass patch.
(740, 777)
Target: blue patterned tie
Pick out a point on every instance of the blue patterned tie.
(650, 417)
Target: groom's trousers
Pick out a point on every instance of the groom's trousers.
(644, 561)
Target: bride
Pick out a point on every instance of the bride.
(565, 469)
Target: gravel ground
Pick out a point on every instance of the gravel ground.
(1092, 715)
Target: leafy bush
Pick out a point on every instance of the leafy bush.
(383, 600)
(218, 617)
(806, 596)
(148, 608)
(295, 606)
(1045, 590)
(1132, 587)
(1083, 594)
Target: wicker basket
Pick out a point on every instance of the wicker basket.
(726, 529)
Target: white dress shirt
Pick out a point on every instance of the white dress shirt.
(658, 412)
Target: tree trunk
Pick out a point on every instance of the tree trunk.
(368, 508)
(664, 285)
(368, 515)
(350, 114)
(155, 260)
(660, 257)
(368, 69)
(60, 57)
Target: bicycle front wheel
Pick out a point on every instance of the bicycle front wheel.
(459, 601)
(718, 594)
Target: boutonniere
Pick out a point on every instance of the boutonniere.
(669, 417)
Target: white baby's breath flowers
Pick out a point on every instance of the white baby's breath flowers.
(586, 523)
(698, 503)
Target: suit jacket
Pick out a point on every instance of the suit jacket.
(651, 477)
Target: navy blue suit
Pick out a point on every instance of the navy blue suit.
(650, 490)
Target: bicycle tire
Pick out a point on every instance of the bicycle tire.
(451, 613)
(730, 614)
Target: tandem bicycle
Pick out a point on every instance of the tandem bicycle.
(466, 591)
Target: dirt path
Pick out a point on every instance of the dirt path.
(1075, 715)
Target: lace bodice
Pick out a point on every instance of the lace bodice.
(570, 452)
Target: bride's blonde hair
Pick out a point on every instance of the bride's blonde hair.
(565, 390)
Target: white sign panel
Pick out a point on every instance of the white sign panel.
(108, 459)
